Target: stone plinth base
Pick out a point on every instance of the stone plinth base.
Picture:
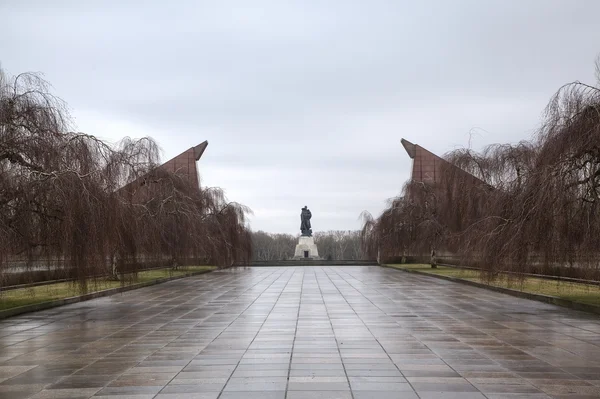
(306, 249)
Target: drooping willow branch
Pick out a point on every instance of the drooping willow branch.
(530, 206)
(72, 198)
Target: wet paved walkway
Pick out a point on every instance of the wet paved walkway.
(302, 332)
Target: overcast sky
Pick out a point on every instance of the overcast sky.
(305, 102)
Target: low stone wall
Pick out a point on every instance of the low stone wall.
(310, 262)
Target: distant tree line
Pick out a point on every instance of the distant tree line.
(332, 245)
(533, 206)
(268, 246)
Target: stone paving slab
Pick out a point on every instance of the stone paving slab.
(309, 332)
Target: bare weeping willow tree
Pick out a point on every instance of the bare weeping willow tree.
(529, 207)
(72, 200)
(166, 219)
(480, 211)
(408, 227)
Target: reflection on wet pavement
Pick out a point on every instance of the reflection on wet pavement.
(303, 332)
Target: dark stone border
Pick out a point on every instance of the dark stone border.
(552, 300)
(98, 294)
(312, 262)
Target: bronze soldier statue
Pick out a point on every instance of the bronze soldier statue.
(305, 216)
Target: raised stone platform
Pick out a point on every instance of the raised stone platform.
(309, 262)
(306, 248)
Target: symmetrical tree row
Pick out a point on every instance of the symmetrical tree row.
(533, 206)
(62, 197)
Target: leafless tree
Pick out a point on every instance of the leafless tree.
(97, 209)
(338, 244)
(533, 206)
(268, 246)
(332, 245)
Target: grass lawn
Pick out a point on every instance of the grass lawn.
(44, 293)
(577, 292)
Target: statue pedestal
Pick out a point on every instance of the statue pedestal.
(306, 249)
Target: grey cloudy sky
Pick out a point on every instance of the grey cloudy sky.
(305, 102)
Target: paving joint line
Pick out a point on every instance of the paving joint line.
(257, 332)
(478, 351)
(377, 340)
(287, 384)
(512, 316)
(337, 343)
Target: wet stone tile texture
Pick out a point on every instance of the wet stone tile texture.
(302, 333)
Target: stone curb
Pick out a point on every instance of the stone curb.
(552, 300)
(285, 263)
(67, 301)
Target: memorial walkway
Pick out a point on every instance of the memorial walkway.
(302, 332)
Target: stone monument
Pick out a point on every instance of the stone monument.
(306, 248)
